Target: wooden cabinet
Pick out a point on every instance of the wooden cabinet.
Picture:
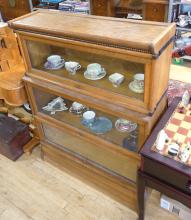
(155, 10)
(11, 9)
(102, 7)
(107, 159)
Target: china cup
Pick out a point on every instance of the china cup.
(94, 69)
(77, 106)
(139, 81)
(89, 117)
(55, 60)
(72, 67)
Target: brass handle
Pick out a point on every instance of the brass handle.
(155, 9)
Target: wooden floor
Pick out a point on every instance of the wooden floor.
(31, 189)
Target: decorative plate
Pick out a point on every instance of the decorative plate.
(100, 126)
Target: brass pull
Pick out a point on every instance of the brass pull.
(155, 9)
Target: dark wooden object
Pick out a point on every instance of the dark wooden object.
(102, 7)
(13, 10)
(13, 136)
(161, 173)
(155, 10)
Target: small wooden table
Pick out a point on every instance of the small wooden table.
(162, 173)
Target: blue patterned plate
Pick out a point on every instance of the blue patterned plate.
(101, 125)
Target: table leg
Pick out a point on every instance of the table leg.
(140, 195)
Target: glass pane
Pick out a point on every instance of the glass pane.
(123, 165)
(122, 133)
(90, 68)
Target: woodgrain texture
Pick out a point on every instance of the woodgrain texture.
(32, 189)
(144, 35)
(155, 10)
(11, 68)
(21, 7)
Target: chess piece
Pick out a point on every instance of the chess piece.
(161, 139)
(173, 149)
(185, 153)
(186, 98)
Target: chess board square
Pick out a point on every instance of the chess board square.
(169, 133)
(182, 131)
(172, 127)
(179, 137)
(175, 121)
(188, 139)
(189, 134)
(185, 125)
(187, 118)
(178, 116)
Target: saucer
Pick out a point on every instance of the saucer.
(48, 66)
(100, 126)
(100, 76)
(133, 88)
(123, 125)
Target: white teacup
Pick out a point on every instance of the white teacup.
(55, 60)
(139, 81)
(72, 67)
(77, 106)
(89, 117)
(94, 66)
(94, 69)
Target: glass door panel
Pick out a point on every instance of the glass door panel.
(94, 69)
(103, 157)
(121, 132)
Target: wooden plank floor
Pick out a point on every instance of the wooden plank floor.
(31, 189)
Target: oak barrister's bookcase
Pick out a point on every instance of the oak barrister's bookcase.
(119, 45)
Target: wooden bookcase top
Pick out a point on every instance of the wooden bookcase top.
(145, 36)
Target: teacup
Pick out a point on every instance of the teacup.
(116, 79)
(89, 117)
(72, 67)
(96, 66)
(77, 106)
(94, 69)
(55, 60)
(139, 81)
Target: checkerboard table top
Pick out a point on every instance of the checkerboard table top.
(178, 129)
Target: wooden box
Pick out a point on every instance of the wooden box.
(119, 45)
(13, 136)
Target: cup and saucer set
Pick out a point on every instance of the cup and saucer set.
(77, 108)
(54, 62)
(98, 125)
(94, 71)
(137, 85)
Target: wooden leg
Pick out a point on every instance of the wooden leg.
(140, 195)
(30, 145)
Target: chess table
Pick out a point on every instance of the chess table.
(161, 171)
